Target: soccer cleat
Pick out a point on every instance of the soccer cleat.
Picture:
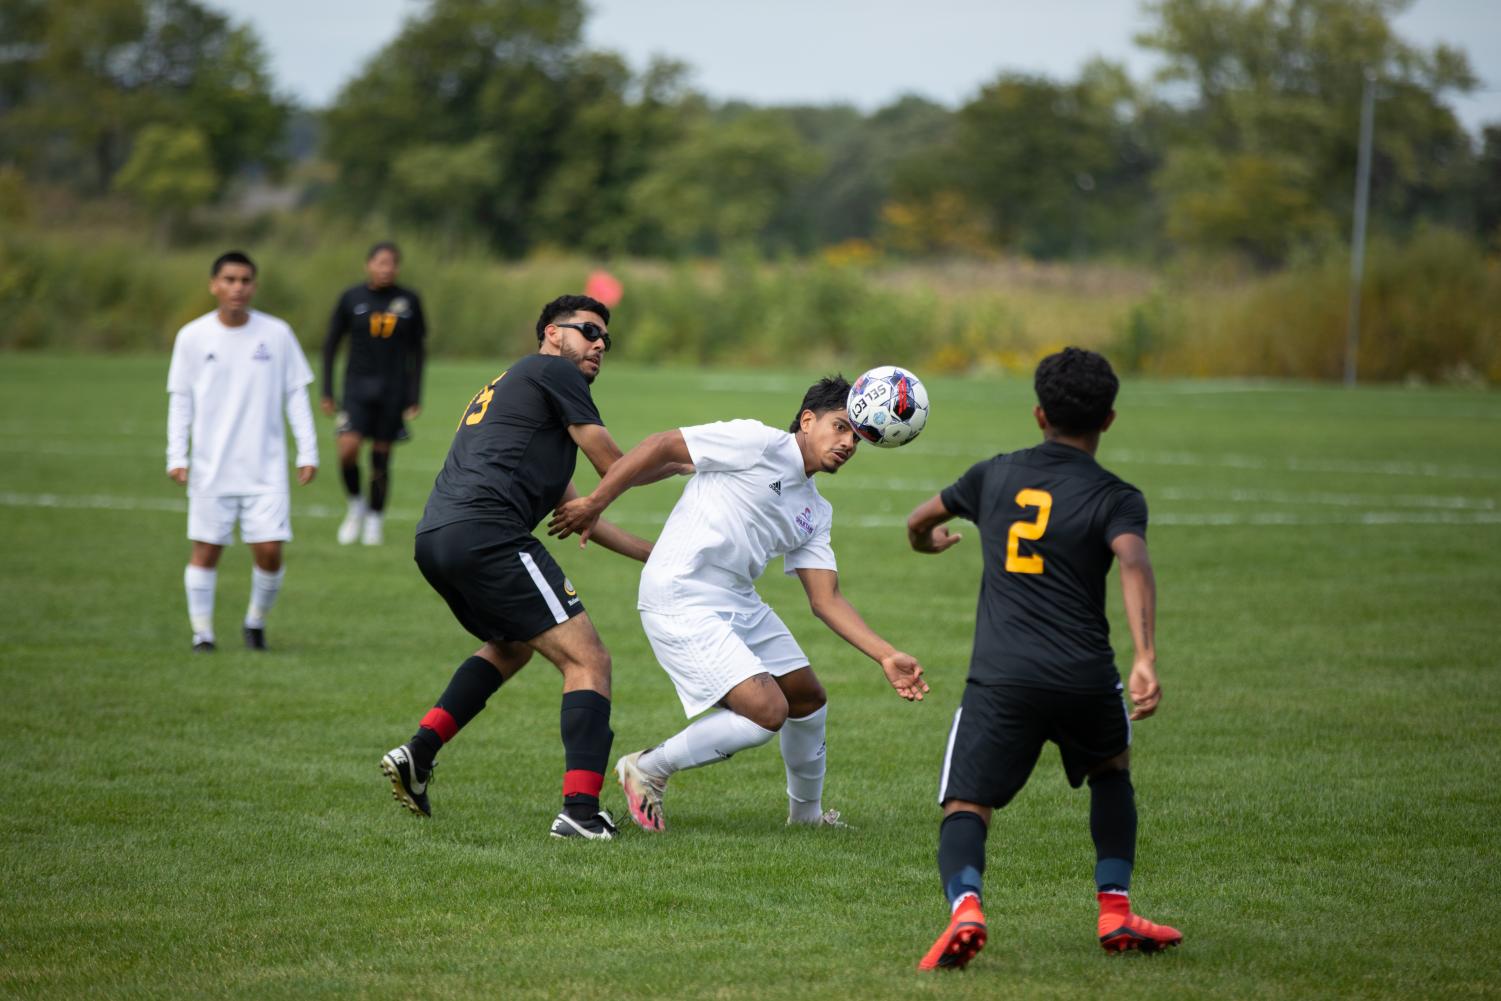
(255, 637)
(1122, 931)
(349, 528)
(643, 793)
(374, 532)
(597, 828)
(829, 818)
(203, 646)
(961, 941)
(408, 785)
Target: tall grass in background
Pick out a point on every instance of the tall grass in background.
(1430, 311)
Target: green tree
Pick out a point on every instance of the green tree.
(170, 171)
(723, 184)
(1276, 88)
(80, 80)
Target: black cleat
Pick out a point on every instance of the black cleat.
(408, 785)
(204, 646)
(597, 828)
(255, 638)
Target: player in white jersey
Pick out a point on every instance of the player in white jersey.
(751, 498)
(234, 371)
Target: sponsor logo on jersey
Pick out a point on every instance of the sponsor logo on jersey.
(805, 521)
(776, 488)
(400, 306)
(261, 354)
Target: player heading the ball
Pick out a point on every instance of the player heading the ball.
(751, 498)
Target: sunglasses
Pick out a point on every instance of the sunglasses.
(591, 331)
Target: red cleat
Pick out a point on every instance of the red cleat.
(961, 941)
(1122, 931)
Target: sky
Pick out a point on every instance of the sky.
(860, 52)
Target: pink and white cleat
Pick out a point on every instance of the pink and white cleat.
(643, 793)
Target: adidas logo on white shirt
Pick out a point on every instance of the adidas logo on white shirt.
(776, 488)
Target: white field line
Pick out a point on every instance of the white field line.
(175, 505)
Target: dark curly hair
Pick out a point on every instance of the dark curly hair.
(565, 305)
(1076, 390)
(832, 392)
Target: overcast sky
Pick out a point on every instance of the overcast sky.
(863, 52)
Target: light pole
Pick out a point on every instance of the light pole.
(1357, 237)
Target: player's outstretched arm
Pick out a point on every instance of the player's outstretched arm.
(926, 531)
(612, 536)
(665, 448)
(1139, 589)
(834, 610)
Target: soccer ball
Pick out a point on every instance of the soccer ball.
(888, 406)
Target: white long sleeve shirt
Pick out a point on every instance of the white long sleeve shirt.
(228, 390)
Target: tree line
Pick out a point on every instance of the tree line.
(493, 121)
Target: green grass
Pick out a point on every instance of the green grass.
(1318, 796)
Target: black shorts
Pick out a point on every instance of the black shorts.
(372, 409)
(501, 584)
(999, 731)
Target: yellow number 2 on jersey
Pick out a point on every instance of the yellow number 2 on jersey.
(1029, 530)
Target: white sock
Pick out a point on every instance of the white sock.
(263, 589)
(704, 741)
(199, 583)
(356, 506)
(803, 754)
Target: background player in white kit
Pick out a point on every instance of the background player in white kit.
(751, 498)
(233, 372)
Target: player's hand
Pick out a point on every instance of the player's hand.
(1146, 693)
(412, 413)
(576, 516)
(939, 539)
(179, 475)
(327, 405)
(905, 675)
(305, 474)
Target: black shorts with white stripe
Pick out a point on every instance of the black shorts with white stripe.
(501, 584)
(999, 730)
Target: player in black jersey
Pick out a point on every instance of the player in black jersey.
(382, 383)
(1051, 521)
(511, 462)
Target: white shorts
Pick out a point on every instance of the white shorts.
(707, 653)
(262, 518)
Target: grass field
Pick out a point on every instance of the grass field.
(1319, 794)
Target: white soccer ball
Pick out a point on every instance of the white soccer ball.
(888, 406)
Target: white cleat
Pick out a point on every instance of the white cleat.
(349, 528)
(829, 818)
(643, 793)
(374, 533)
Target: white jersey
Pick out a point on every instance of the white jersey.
(238, 380)
(748, 501)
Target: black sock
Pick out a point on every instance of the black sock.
(961, 854)
(352, 478)
(468, 690)
(585, 722)
(1112, 824)
(380, 479)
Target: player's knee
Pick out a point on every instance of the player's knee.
(806, 702)
(1108, 775)
(768, 712)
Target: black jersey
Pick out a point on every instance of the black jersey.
(1047, 516)
(512, 456)
(386, 331)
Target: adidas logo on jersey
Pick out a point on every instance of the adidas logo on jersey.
(209, 358)
(776, 488)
